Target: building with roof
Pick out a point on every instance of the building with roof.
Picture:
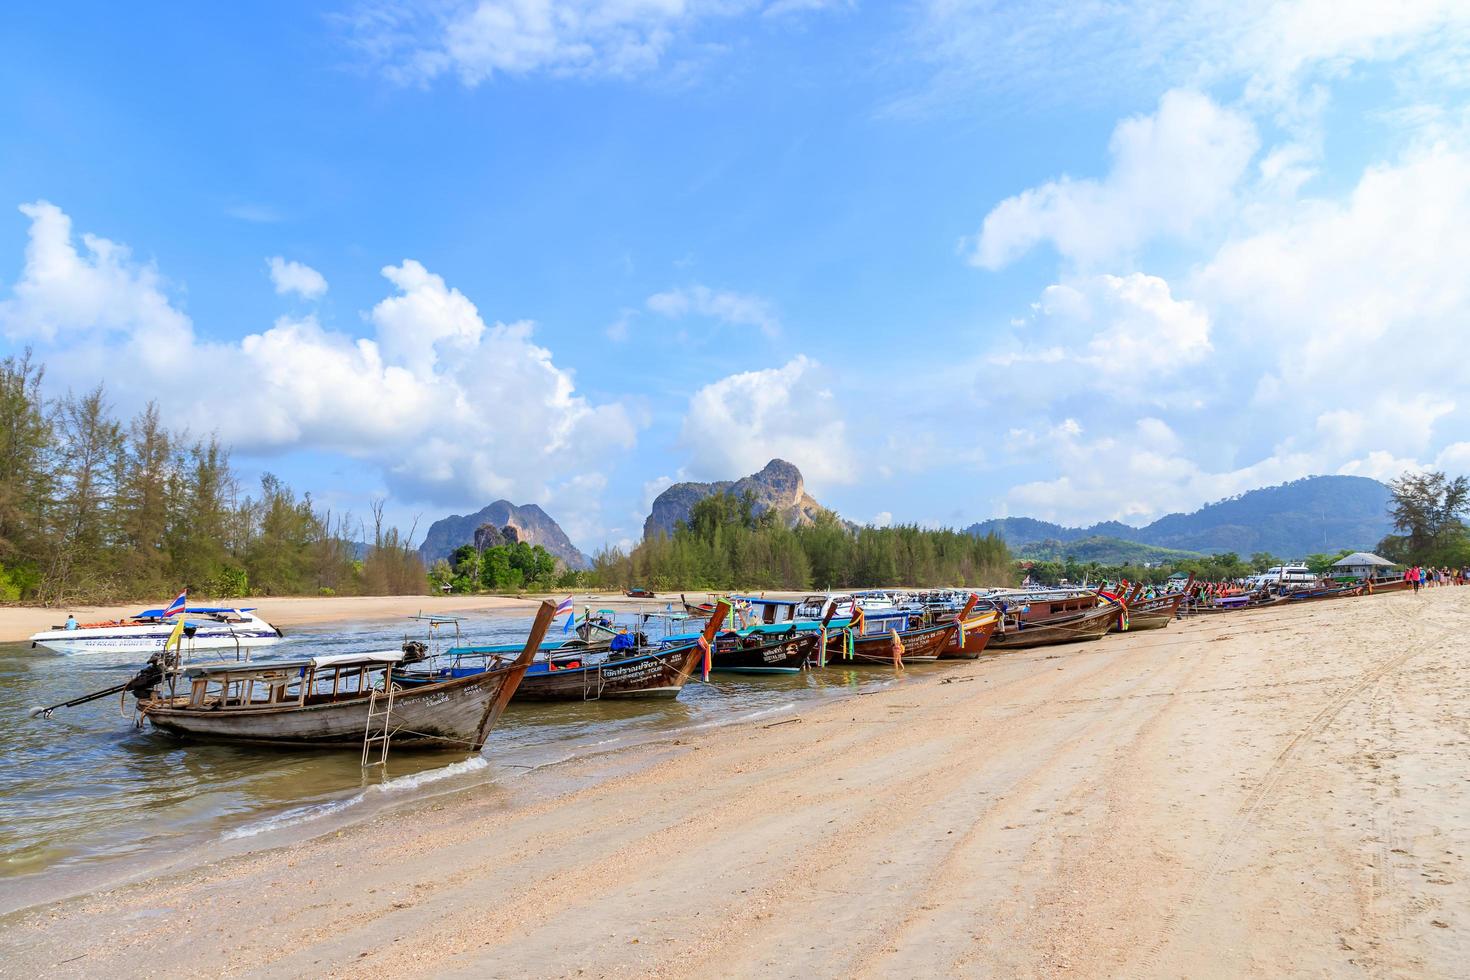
(1361, 564)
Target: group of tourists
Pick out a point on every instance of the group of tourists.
(1423, 578)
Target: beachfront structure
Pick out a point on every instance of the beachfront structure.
(1361, 564)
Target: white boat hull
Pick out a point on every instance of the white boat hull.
(150, 638)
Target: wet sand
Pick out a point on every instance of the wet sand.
(19, 622)
(1279, 792)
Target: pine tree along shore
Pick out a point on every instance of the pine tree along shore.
(94, 510)
(726, 544)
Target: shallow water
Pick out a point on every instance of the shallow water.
(86, 786)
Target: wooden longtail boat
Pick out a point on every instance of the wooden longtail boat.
(1154, 614)
(1313, 595)
(978, 630)
(759, 652)
(581, 675)
(1068, 628)
(636, 593)
(327, 700)
(919, 645)
(1267, 603)
(696, 608)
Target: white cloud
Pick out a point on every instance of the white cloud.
(1283, 51)
(883, 518)
(100, 289)
(294, 277)
(479, 40)
(1125, 337)
(735, 309)
(1136, 475)
(1170, 173)
(497, 418)
(736, 425)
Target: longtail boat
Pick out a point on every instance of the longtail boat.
(1332, 592)
(332, 700)
(776, 642)
(1075, 627)
(571, 674)
(971, 641)
(1157, 612)
(761, 651)
(700, 609)
(1237, 603)
(637, 593)
(885, 638)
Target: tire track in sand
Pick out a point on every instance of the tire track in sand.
(1281, 764)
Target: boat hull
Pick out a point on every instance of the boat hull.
(919, 646)
(1075, 628)
(1152, 614)
(654, 675)
(446, 715)
(785, 655)
(977, 638)
(145, 640)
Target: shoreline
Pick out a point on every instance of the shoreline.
(1278, 794)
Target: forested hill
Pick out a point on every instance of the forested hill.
(1308, 516)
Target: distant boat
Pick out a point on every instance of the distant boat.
(637, 593)
(205, 628)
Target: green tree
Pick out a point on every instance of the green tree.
(1428, 510)
(26, 476)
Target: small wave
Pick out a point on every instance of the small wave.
(290, 818)
(403, 784)
(319, 811)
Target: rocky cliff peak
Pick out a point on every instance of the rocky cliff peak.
(778, 485)
(500, 523)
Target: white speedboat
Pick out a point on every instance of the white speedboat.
(205, 628)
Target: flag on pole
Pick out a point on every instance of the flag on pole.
(175, 638)
(565, 606)
(177, 607)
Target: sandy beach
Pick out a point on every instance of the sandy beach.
(20, 622)
(1277, 793)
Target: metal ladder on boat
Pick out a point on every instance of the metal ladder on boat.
(383, 716)
(591, 692)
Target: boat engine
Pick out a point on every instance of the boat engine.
(144, 681)
(414, 651)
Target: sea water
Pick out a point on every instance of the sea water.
(87, 792)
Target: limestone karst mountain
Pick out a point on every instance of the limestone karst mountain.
(778, 485)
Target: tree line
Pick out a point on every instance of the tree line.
(95, 509)
(726, 544)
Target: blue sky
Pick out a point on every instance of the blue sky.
(1076, 261)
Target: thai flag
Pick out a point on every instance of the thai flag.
(565, 606)
(176, 607)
